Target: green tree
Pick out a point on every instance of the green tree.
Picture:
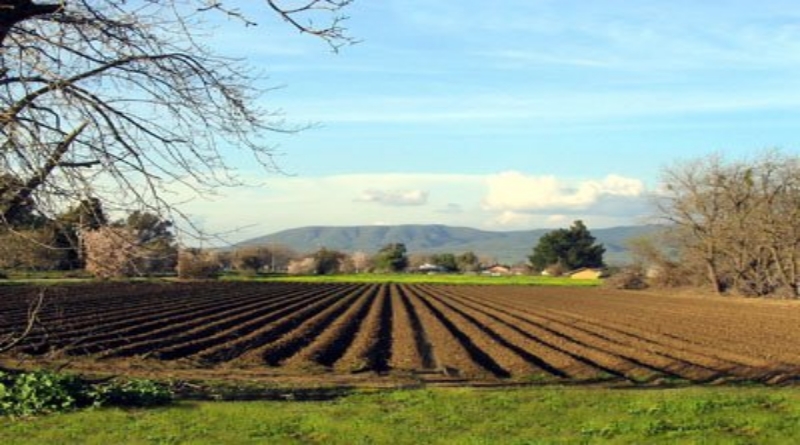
(570, 249)
(446, 261)
(158, 249)
(88, 214)
(392, 258)
(468, 262)
(328, 262)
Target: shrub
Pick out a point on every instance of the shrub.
(630, 278)
(197, 264)
(3, 275)
(669, 274)
(556, 270)
(135, 393)
(27, 394)
(24, 394)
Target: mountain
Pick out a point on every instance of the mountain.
(505, 247)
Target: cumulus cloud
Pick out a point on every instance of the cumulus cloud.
(395, 198)
(516, 192)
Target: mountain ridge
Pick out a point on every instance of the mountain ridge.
(504, 246)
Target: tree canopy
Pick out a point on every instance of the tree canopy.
(569, 249)
(121, 99)
(392, 258)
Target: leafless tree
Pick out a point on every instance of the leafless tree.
(118, 99)
(692, 204)
(362, 261)
(739, 219)
(197, 264)
(251, 259)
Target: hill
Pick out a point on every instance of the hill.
(506, 247)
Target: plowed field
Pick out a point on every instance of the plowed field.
(397, 332)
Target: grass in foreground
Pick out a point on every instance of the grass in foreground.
(521, 280)
(445, 416)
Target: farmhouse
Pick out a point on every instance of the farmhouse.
(430, 268)
(497, 270)
(587, 273)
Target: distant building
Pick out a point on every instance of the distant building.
(587, 273)
(497, 270)
(430, 268)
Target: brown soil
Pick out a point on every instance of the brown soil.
(395, 334)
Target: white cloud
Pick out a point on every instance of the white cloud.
(516, 192)
(395, 197)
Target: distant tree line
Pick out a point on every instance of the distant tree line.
(83, 237)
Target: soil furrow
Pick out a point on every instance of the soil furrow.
(477, 356)
(411, 349)
(372, 344)
(332, 341)
(231, 343)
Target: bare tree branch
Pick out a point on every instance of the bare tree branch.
(155, 107)
(13, 339)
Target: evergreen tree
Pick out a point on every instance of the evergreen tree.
(571, 249)
(392, 258)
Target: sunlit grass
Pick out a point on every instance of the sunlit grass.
(445, 416)
(516, 280)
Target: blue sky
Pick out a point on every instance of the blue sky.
(509, 115)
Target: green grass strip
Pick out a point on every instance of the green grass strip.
(455, 279)
(724, 415)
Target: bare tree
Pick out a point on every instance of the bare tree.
(362, 261)
(119, 99)
(740, 219)
(251, 259)
(692, 204)
(197, 264)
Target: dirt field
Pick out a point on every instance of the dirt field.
(396, 334)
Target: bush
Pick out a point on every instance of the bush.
(197, 264)
(135, 393)
(3, 275)
(24, 394)
(27, 394)
(556, 270)
(629, 278)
